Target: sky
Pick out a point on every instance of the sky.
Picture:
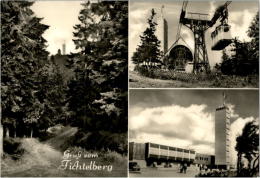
(185, 118)
(241, 14)
(61, 16)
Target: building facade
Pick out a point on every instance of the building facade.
(137, 151)
(147, 154)
(222, 137)
(205, 159)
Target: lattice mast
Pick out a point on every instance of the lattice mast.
(198, 23)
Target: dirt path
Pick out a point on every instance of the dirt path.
(40, 159)
(64, 135)
(43, 159)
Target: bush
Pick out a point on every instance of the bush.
(227, 81)
(240, 67)
(43, 136)
(213, 79)
(173, 75)
(217, 173)
(112, 156)
(12, 147)
(101, 140)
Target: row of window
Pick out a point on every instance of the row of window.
(171, 148)
(202, 158)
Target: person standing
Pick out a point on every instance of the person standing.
(181, 167)
(185, 168)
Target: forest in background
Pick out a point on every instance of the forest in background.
(34, 94)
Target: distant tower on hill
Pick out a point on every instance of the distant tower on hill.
(64, 49)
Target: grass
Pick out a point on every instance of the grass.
(179, 79)
(35, 154)
(116, 161)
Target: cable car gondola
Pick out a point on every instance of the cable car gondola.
(221, 37)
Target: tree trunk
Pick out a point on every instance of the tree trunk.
(255, 168)
(238, 163)
(256, 161)
(31, 132)
(249, 164)
(2, 138)
(7, 132)
(15, 129)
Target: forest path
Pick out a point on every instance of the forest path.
(40, 159)
(43, 159)
(62, 137)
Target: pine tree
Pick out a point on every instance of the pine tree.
(31, 88)
(113, 100)
(148, 51)
(53, 96)
(101, 65)
(253, 32)
(137, 60)
(22, 56)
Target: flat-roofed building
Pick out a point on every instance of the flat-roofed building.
(152, 152)
(204, 159)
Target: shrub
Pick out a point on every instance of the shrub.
(213, 79)
(228, 81)
(12, 147)
(217, 173)
(101, 140)
(112, 156)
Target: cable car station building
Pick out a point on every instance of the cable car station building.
(179, 57)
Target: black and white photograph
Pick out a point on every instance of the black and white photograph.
(64, 88)
(193, 44)
(193, 133)
(129, 88)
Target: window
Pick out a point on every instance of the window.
(154, 145)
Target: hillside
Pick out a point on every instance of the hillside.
(43, 159)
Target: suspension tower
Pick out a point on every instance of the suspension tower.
(198, 24)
